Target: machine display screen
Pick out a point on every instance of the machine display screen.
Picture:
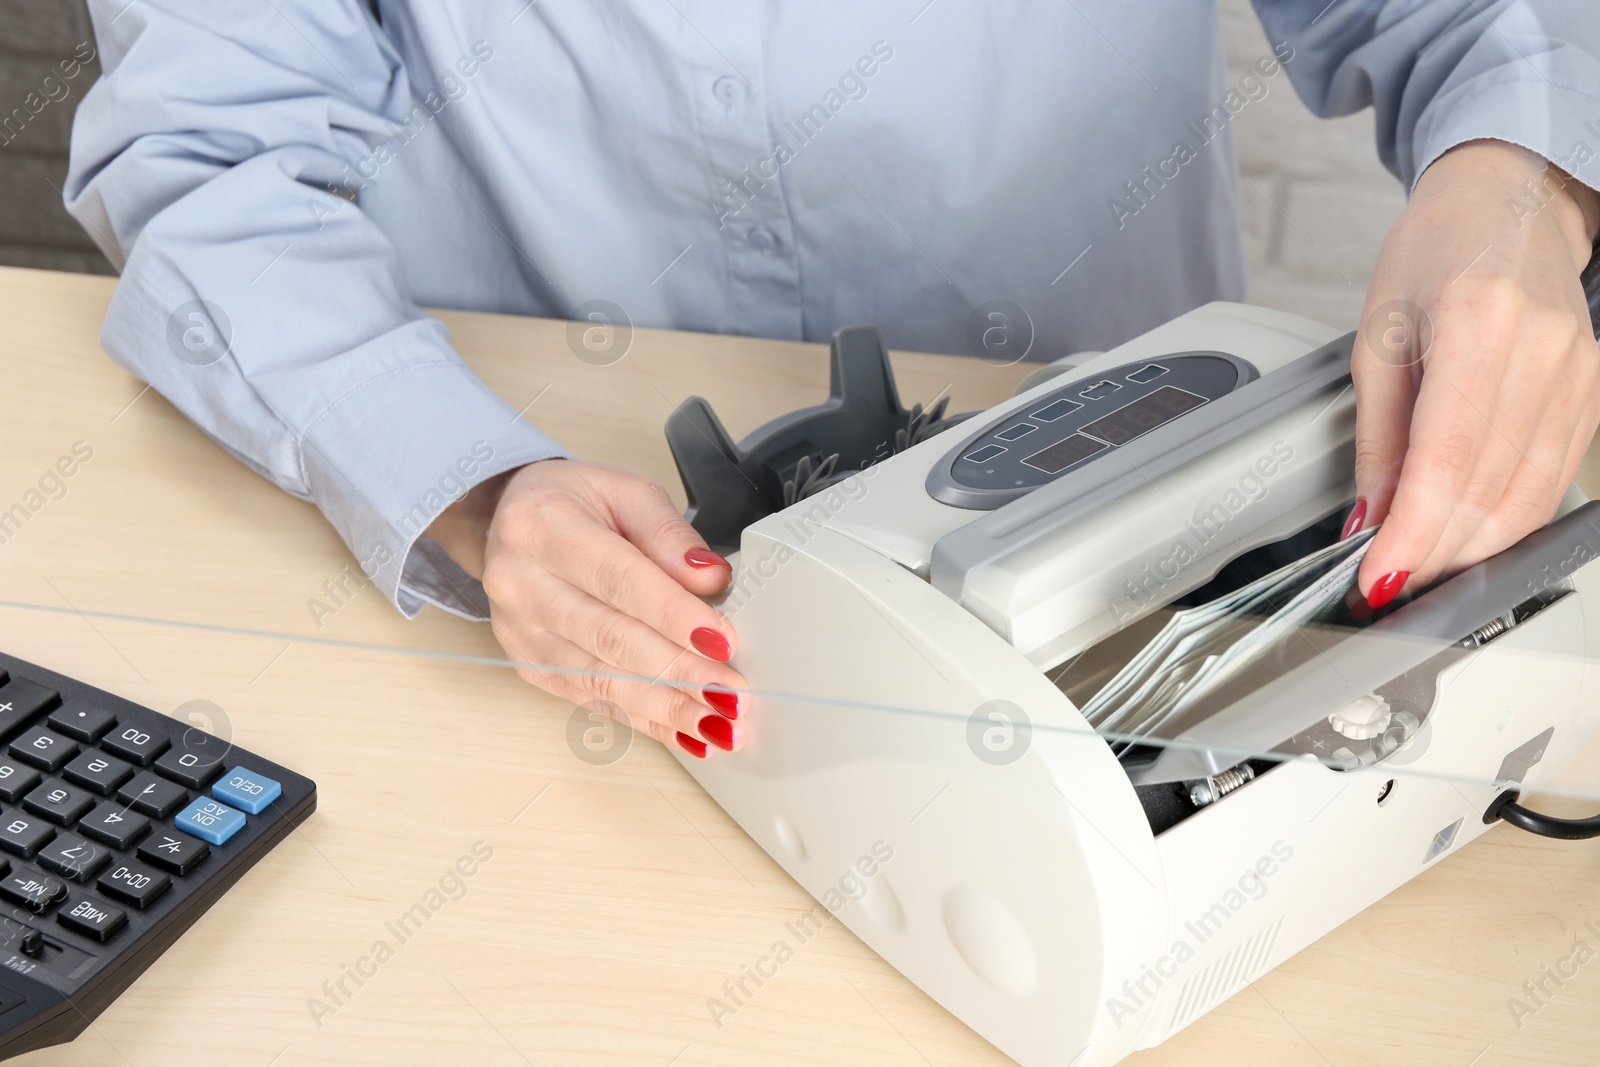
(1063, 454)
(1143, 415)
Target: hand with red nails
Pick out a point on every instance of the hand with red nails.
(1476, 371)
(591, 570)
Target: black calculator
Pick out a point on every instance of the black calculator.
(119, 827)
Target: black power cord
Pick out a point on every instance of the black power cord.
(1505, 807)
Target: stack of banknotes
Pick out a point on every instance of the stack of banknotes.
(1208, 655)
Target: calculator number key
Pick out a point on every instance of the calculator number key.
(16, 781)
(194, 765)
(135, 745)
(134, 884)
(46, 750)
(152, 796)
(59, 802)
(112, 824)
(23, 835)
(97, 772)
(72, 857)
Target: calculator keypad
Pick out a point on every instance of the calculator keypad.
(89, 808)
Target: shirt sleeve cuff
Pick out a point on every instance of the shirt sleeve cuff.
(388, 457)
(1558, 123)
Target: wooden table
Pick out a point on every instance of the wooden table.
(616, 899)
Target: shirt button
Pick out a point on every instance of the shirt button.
(762, 239)
(727, 90)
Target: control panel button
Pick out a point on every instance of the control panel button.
(1057, 410)
(150, 795)
(92, 918)
(97, 772)
(984, 454)
(175, 852)
(210, 821)
(72, 857)
(1147, 374)
(134, 884)
(1099, 390)
(137, 746)
(45, 749)
(113, 824)
(247, 790)
(33, 889)
(1011, 433)
(82, 721)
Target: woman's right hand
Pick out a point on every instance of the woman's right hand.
(592, 574)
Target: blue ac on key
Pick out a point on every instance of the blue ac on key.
(209, 821)
(246, 790)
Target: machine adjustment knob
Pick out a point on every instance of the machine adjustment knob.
(1363, 718)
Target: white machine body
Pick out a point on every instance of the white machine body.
(1027, 889)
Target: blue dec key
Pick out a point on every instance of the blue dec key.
(209, 821)
(246, 790)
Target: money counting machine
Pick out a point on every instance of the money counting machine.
(926, 604)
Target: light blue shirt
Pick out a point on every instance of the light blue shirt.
(283, 183)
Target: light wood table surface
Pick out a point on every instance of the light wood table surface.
(618, 898)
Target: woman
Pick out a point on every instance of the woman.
(283, 185)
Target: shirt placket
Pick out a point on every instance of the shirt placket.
(747, 221)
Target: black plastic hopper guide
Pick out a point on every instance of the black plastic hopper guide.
(119, 827)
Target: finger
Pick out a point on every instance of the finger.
(1448, 429)
(1385, 369)
(664, 734)
(645, 515)
(1529, 503)
(1560, 437)
(1532, 497)
(631, 646)
(563, 668)
(1521, 432)
(599, 561)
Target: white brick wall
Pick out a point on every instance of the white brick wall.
(1315, 202)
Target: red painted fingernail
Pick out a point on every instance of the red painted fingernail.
(723, 701)
(710, 643)
(1385, 588)
(697, 749)
(704, 557)
(1357, 519)
(718, 731)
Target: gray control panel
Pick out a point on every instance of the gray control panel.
(1084, 420)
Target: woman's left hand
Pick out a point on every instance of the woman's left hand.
(1476, 371)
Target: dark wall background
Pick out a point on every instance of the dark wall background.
(35, 229)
